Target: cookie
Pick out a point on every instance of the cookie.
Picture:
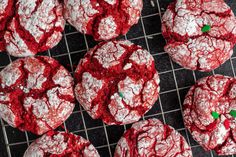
(117, 82)
(103, 19)
(6, 11)
(200, 34)
(61, 144)
(36, 94)
(152, 138)
(210, 113)
(35, 27)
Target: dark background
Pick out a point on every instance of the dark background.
(175, 82)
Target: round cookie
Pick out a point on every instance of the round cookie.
(61, 144)
(117, 82)
(103, 19)
(152, 138)
(210, 113)
(36, 94)
(35, 27)
(6, 11)
(200, 34)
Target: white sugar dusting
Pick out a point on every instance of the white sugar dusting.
(122, 146)
(39, 21)
(62, 78)
(15, 45)
(221, 133)
(111, 2)
(3, 5)
(54, 39)
(151, 90)
(36, 73)
(47, 144)
(79, 13)
(205, 51)
(109, 54)
(151, 139)
(131, 91)
(87, 90)
(120, 112)
(127, 66)
(90, 151)
(57, 145)
(133, 8)
(39, 106)
(7, 115)
(49, 109)
(10, 74)
(107, 28)
(142, 57)
(232, 91)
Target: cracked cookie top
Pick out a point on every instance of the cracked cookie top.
(103, 19)
(36, 94)
(200, 34)
(210, 113)
(150, 138)
(36, 26)
(61, 144)
(117, 82)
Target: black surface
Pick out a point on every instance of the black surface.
(175, 82)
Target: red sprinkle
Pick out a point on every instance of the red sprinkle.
(226, 124)
(212, 126)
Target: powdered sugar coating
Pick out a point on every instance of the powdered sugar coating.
(87, 90)
(152, 138)
(107, 28)
(38, 94)
(3, 5)
(6, 11)
(112, 58)
(117, 82)
(36, 27)
(61, 143)
(111, 2)
(182, 27)
(212, 94)
(132, 8)
(105, 19)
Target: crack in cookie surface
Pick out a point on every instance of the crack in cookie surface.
(207, 108)
(36, 26)
(36, 94)
(61, 144)
(117, 82)
(187, 42)
(103, 19)
(150, 138)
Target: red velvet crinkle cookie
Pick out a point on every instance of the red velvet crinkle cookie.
(61, 144)
(200, 34)
(150, 138)
(103, 19)
(117, 82)
(6, 11)
(210, 113)
(35, 27)
(36, 94)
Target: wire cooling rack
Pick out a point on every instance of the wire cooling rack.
(175, 82)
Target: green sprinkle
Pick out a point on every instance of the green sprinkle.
(121, 95)
(206, 28)
(215, 115)
(233, 113)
